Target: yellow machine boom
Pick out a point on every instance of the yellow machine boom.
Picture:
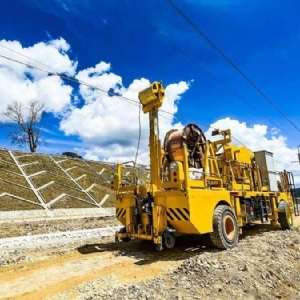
(199, 186)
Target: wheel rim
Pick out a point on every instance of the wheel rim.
(168, 240)
(229, 228)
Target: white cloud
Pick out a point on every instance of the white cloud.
(101, 77)
(18, 82)
(53, 93)
(255, 138)
(274, 131)
(53, 53)
(109, 125)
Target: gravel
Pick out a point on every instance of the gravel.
(43, 227)
(13, 257)
(264, 266)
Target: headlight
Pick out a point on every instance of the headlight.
(112, 178)
(173, 166)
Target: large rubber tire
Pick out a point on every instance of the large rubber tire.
(285, 218)
(225, 233)
(168, 239)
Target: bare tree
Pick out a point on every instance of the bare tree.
(27, 129)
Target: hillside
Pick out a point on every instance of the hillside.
(37, 181)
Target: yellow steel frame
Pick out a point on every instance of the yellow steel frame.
(186, 204)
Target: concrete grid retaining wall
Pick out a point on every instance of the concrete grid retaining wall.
(58, 214)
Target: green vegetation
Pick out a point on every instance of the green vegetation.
(98, 192)
(9, 166)
(4, 155)
(8, 204)
(56, 180)
(12, 189)
(13, 177)
(69, 202)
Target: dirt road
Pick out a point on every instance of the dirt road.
(39, 279)
(110, 263)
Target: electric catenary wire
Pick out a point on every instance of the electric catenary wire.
(122, 97)
(134, 102)
(231, 62)
(12, 50)
(207, 72)
(70, 78)
(131, 101)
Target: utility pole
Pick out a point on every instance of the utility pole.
(293, 162)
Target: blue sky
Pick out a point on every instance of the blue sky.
(261, 37)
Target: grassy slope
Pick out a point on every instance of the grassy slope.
(15, 184)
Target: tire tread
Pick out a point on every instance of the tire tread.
(282, 216)
(216, 236)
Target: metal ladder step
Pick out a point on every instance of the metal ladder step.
(293, 193)
(263, 210)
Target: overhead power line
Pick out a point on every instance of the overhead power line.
(131, 101)
(71, 79)
(206, 71)
(231, 62)
(12, 50)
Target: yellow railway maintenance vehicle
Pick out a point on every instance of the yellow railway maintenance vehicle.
(198, 186)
